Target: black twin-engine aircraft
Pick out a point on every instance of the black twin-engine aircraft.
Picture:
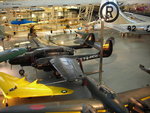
(42, 58)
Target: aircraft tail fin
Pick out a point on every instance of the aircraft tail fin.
(89, 40)
(110, 11)
(86, 38)
(108, 47)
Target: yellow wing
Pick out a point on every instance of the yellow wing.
(13, 87)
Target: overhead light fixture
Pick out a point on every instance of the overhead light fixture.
(33, 15)
(43, 15)
(59, 13)
(62, 42)
(1, 49)
(10, 27)
(4, 17)
(70, 22)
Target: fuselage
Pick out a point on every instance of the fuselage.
(11, 53)
(30, 57)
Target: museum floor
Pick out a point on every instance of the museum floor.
(121, 70)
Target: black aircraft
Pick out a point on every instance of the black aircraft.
(40, 52)
(68, 66)
(42, 58)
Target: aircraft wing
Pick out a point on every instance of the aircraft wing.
(67, 67)
(135, 28)
(13, 87)
(117, 27)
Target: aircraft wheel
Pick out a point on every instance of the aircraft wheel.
(21, 72)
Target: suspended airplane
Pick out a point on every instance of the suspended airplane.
(21, 21)
(109, 11)
(115, 19)
(11, 53)
(13, 87)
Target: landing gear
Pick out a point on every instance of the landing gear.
(21, 72)
(57, 75)
(81, 66)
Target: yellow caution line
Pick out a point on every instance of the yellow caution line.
(102, 110)
(145, 98)
(76, 111)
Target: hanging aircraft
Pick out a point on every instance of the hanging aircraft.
(115, 19)
(11, 53)
(21, 21)
(13, 87)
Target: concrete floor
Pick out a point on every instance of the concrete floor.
(121, 69)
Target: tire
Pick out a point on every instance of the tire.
(21, 72)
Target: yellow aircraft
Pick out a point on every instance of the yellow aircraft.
(13, 87)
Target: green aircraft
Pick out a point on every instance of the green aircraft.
(11, 53)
